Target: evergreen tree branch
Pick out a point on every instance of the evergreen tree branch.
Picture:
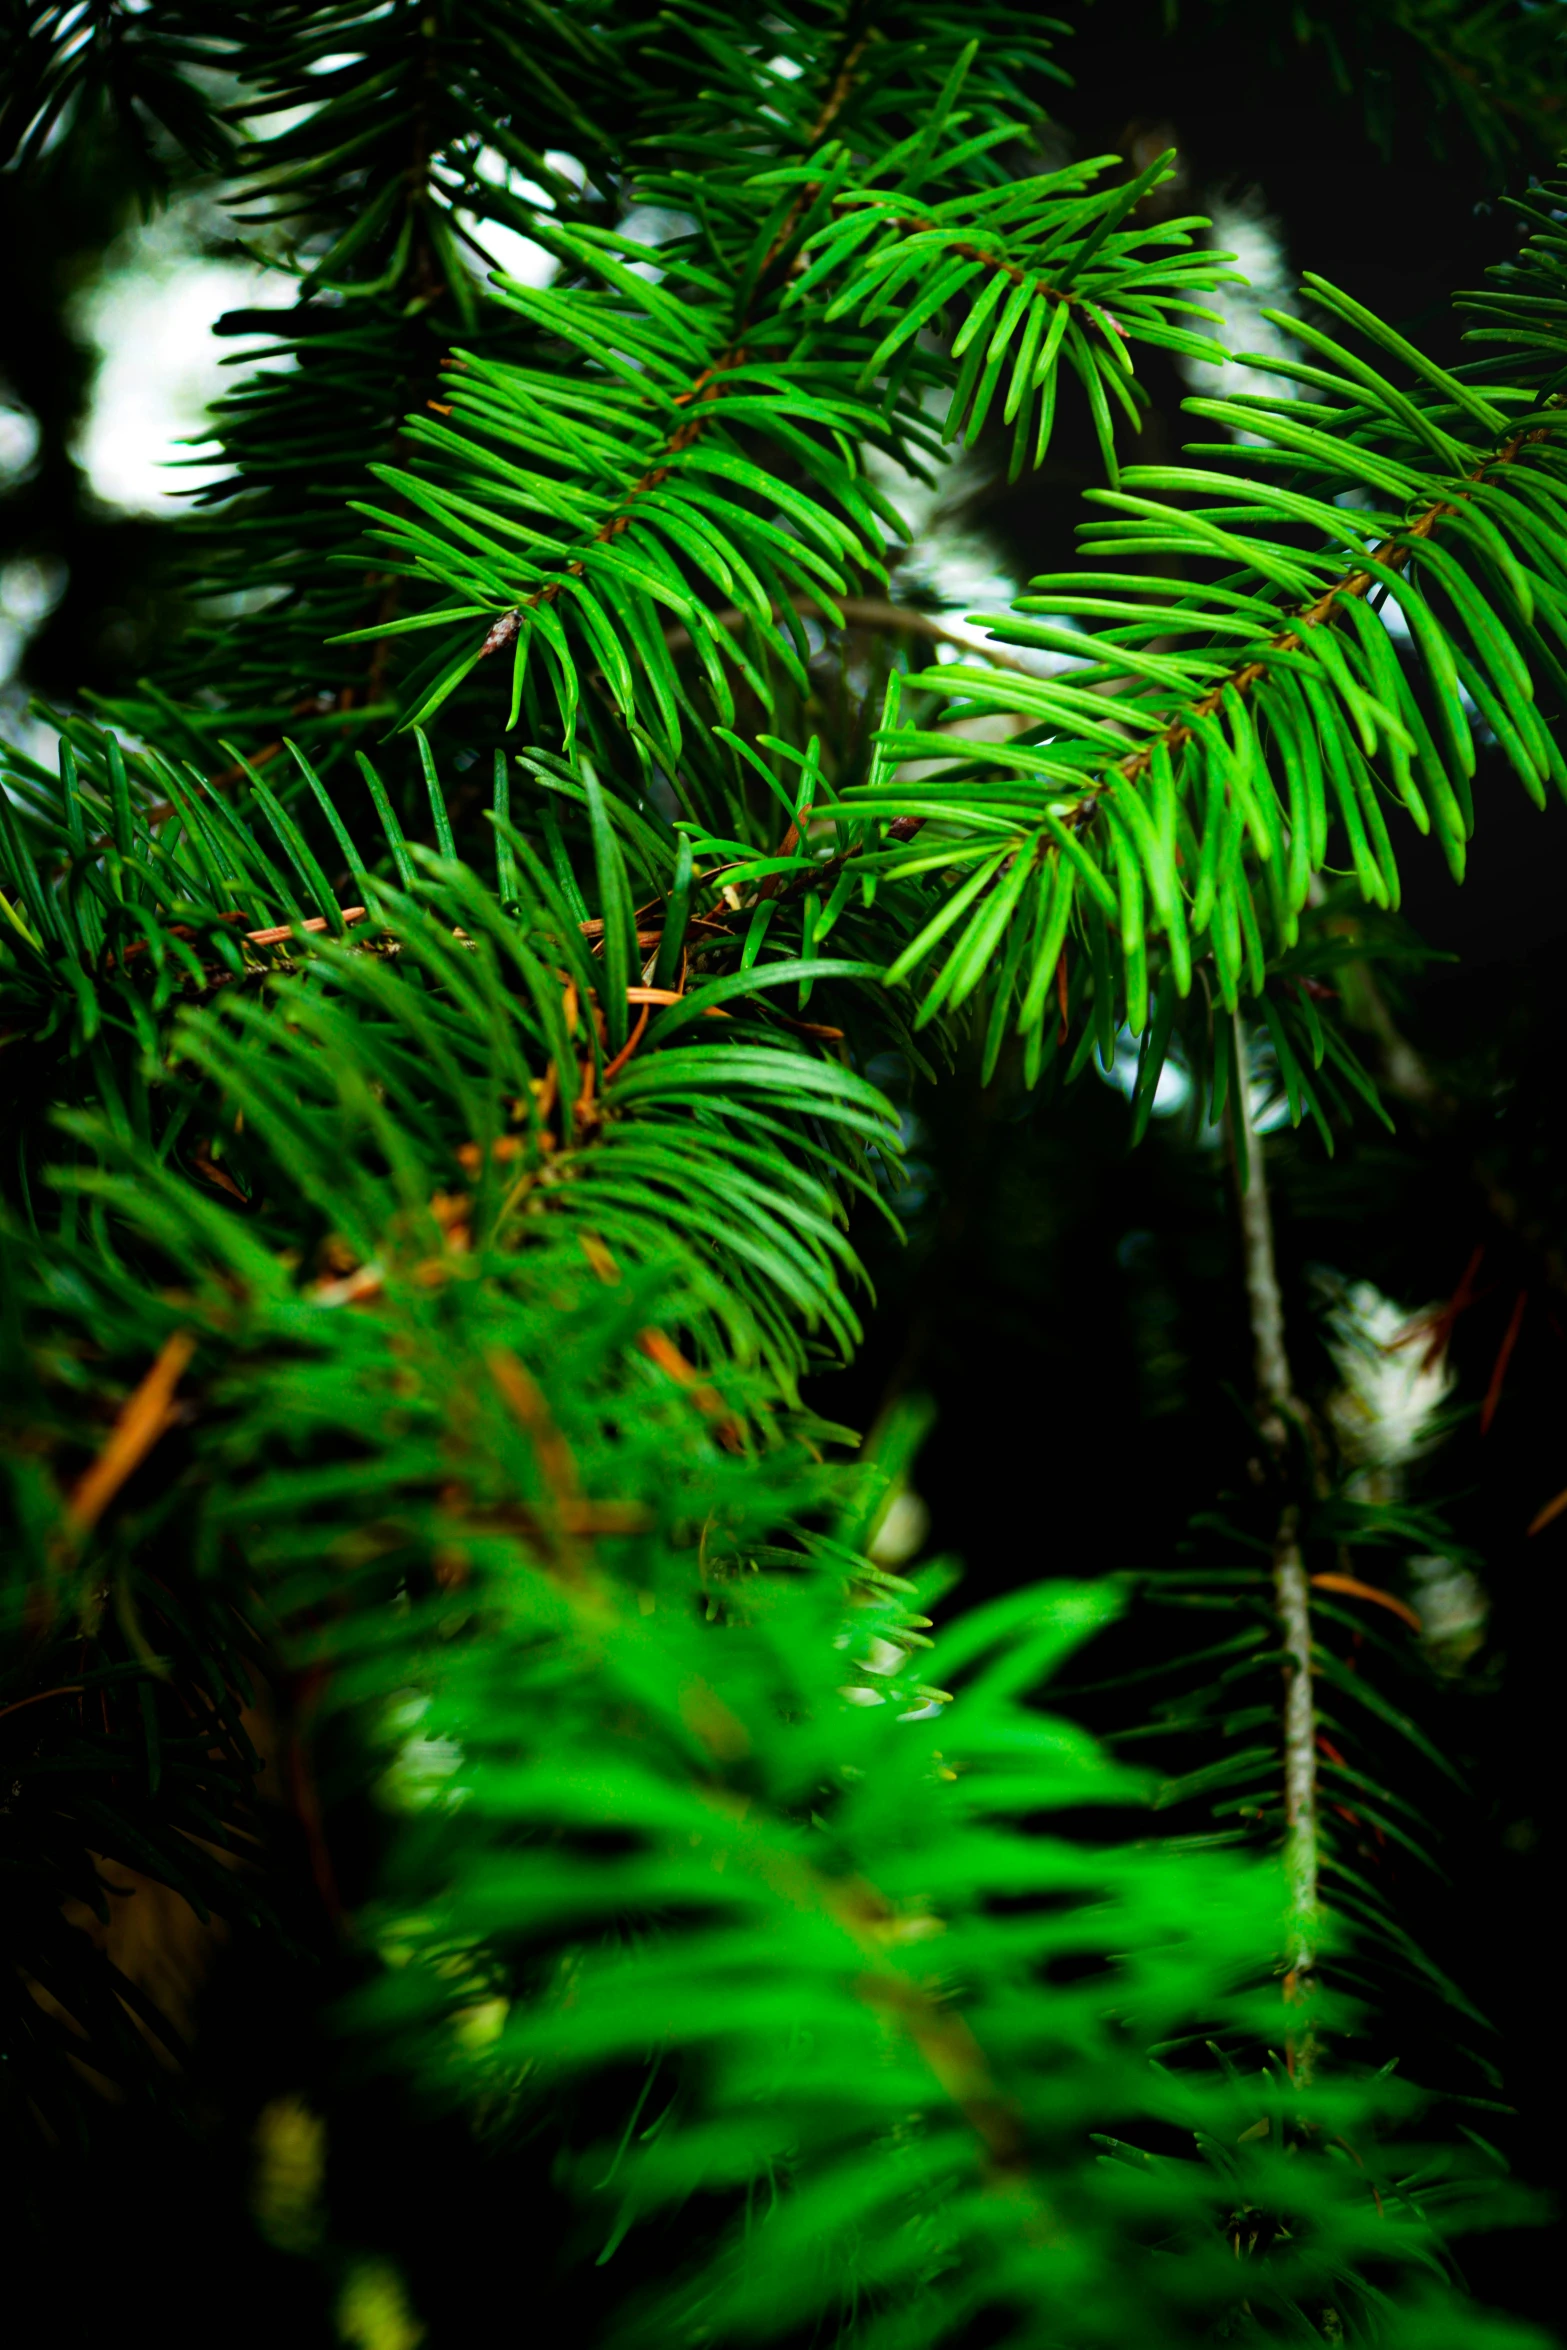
(506, 1209)
(1191, 816)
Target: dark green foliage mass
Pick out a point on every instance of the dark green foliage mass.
(451, 1015)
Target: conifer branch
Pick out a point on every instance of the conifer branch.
(1326, 609)
(706, 386)
(507, 1210)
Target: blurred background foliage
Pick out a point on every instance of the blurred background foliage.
(1061, 1299)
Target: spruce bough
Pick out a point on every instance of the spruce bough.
(437, 1024)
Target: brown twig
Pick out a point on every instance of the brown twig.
(1504, 1355)
(613, 1068)
(1352, 1588)
(1549, 1513)
(524, 1399)
(18, 1705)
(144, 1416)
(1437, 1328)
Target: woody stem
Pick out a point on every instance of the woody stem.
(1291, 1588)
